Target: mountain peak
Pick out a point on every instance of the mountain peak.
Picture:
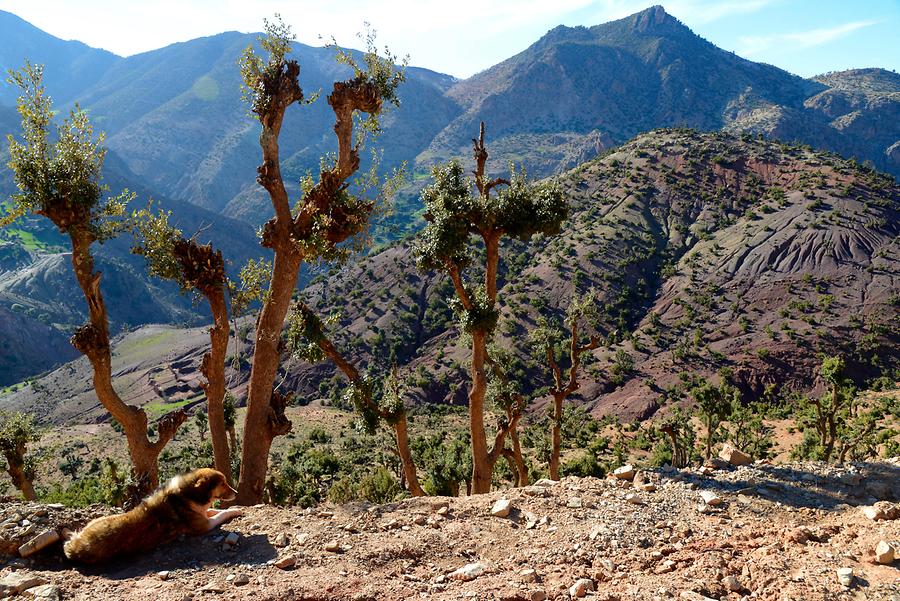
(652, 19)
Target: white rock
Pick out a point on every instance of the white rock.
(232, 538)
(845, 576)
(734, 456)
(546, 482)
(626, 472)
(241, 579)
(581, 588)
(710, 498)
(333, 547)
(732, 584)
(528, 575)
(693, 596)
(15, 583)
(286, 562)
(41, 541)
(884, 553)
(44, 592)
(281, 540)
(574, 503)
(468, 572)
(501, 508)
(634, 499)
(163, 575)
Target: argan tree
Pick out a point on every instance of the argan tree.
(546, 340)
(17, 431)
(61, 181)
(327, 215)
(714, 406)
(307, 339)
(201, 269)
(455, 214)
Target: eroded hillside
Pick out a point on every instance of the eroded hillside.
(706, 252)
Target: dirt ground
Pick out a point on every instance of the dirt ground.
(780, 533)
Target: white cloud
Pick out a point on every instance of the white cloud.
(755, 45)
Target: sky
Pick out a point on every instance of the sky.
(805, 37)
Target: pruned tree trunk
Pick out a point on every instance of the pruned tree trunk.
(556, 435)
(15, 467)
(517, 452)
(285, 235)
(561, 390)
(482, 467)
(213, 369)
(92, 340)
(397, 419)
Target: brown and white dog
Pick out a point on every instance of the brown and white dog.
(182, 506)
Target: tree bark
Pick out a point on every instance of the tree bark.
(556, 435)
(92, 340)
(482, 467)
(259, 431)
(213, 368)
(15, 467)
(517, 452)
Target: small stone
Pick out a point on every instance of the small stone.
(634, 499)
(626, 472)
(213, 587)
(44, 592)
(732, 584)
(501, 508)
(281, 540)
(537, 595)
(286, 562)
(443, 510)
(535, 491)
(301, 538)
(41, 541)
(710, 498)
(528, 575)
(665, 567)
(574, 503)
(468, 572)
(241, 579)
(546, 482)
(163, 575)
(333, 547)
(647, 487)
(581, 588)
(845, 576)
(15, 583)
(734, 456)
(693, 596)
(884, 553)
(232, 539)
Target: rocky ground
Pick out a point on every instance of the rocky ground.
(769, 532)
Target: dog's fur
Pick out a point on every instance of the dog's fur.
(182, 506)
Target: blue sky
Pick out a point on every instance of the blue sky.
(805, 37)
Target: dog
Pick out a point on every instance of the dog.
(182, 506)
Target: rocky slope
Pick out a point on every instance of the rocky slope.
(715, 251)
(706, 252)
(756, 532)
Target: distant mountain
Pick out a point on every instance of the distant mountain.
(708, 253)
(178, 130)
(70, 66)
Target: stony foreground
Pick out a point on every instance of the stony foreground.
(771, 532)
